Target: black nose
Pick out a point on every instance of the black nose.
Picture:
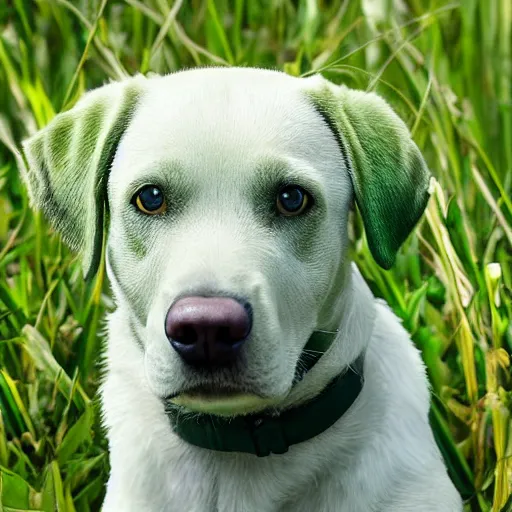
(208, 331)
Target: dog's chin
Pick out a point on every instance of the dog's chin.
(224, 402)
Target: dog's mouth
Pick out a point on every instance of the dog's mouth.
(204, 391)
(222, 400)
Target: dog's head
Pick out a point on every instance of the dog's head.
(226, 194)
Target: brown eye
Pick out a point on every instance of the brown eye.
(292, 200)
(150, 200)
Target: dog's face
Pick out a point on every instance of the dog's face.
(224, 156)
(227, 194)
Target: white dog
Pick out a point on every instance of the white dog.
(249, 367)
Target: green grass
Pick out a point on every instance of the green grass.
(447, 70)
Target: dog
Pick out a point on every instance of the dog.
(248, 365)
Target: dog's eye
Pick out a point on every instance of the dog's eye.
(292, 200)
(150, 200)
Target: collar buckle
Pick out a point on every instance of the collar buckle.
(267, 436)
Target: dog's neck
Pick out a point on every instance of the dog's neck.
(352, 314)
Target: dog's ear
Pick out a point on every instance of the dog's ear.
(389, 176)
(69, 161)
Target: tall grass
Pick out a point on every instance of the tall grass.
(446, 67)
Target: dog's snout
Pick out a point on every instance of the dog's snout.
(208, 331)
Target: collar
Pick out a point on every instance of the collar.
(262, 434)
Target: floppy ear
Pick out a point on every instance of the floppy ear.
(69, 161)
(388, 173)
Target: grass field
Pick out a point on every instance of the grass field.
(447, 70)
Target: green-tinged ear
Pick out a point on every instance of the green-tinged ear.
(389, 176)
(69, 162)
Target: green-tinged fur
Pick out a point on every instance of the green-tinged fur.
(300, 231)
(129, 289)
(178, 191)
(69, 162)
(389, 176)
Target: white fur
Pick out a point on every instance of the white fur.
(381, 455)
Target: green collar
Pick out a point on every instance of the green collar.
(262, 434)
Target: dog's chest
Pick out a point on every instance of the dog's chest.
(234, 488)
(274, 486)
(203, 482)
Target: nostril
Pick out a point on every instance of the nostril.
(223, 334)
(186, 335)
(181, 332)
(231, 334)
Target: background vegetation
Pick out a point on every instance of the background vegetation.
(445, 67)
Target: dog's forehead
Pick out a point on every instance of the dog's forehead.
(225, 120)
